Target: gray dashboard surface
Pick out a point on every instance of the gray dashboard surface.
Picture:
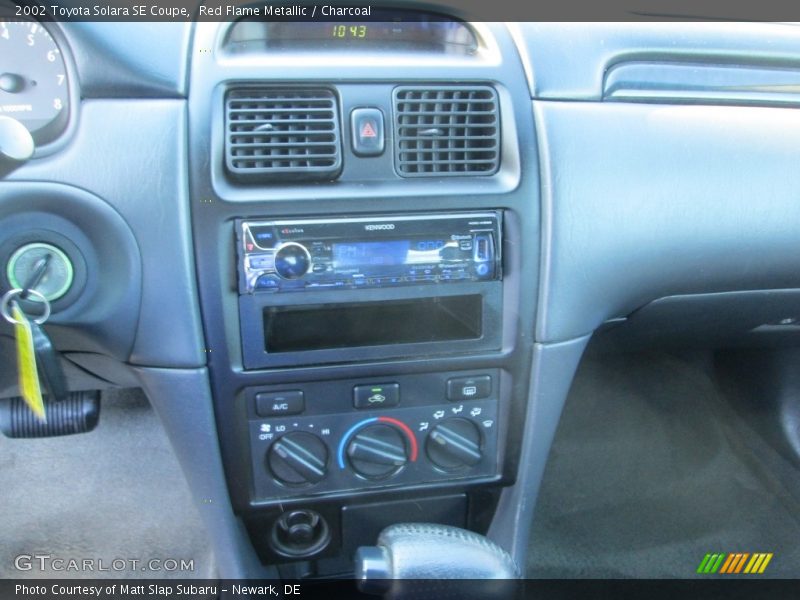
(646, 201)
(182, 400)
(569, 60)
(132, 155)
(130, 60)
(554, 366)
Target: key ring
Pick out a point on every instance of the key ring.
(11, 294)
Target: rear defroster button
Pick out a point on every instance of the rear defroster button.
(469, 388)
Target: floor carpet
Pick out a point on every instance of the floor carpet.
(650, 470)
(116, 493)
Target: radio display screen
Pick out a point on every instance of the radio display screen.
(388, 253)
(371, 253)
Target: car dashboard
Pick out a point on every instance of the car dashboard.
(354, 264)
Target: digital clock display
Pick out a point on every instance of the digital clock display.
(339, 31)
(390, 30)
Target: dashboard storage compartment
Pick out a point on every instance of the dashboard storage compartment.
(355, 325)
(362, 523)
(316, 327)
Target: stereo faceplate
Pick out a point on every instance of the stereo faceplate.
(376, 251)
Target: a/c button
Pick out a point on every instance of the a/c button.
(272, 404)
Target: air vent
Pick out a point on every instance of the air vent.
(282, 134)
(446, 131)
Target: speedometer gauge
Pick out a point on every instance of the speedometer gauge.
(33, 79)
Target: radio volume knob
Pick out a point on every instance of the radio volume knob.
(292, 260)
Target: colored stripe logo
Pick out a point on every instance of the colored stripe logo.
(734, 563)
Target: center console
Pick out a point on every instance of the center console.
(327, 290)
(435, 287)
(367, 252)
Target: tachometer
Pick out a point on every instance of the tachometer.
(33, 79)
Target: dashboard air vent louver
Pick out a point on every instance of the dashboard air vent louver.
(446, 130)
(282, 134)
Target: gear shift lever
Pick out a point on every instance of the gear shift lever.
(427, 554)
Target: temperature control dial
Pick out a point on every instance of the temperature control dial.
(292, 260)
(454, 444)
(298, 459)
(377, 451)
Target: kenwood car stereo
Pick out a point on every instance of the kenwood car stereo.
(374, 251)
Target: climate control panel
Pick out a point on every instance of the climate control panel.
(433, 428)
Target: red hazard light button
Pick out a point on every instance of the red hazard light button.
(367, 129)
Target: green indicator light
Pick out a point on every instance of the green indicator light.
(376, 389)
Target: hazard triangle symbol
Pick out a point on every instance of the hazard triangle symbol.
(367, 130)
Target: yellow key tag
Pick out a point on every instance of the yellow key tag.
(26, 363)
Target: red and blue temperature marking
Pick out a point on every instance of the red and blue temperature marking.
(402, 426)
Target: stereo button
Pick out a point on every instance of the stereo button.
(273, 404)
(262, 262)
(266, 282)
(376, 395)
(469, 388)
